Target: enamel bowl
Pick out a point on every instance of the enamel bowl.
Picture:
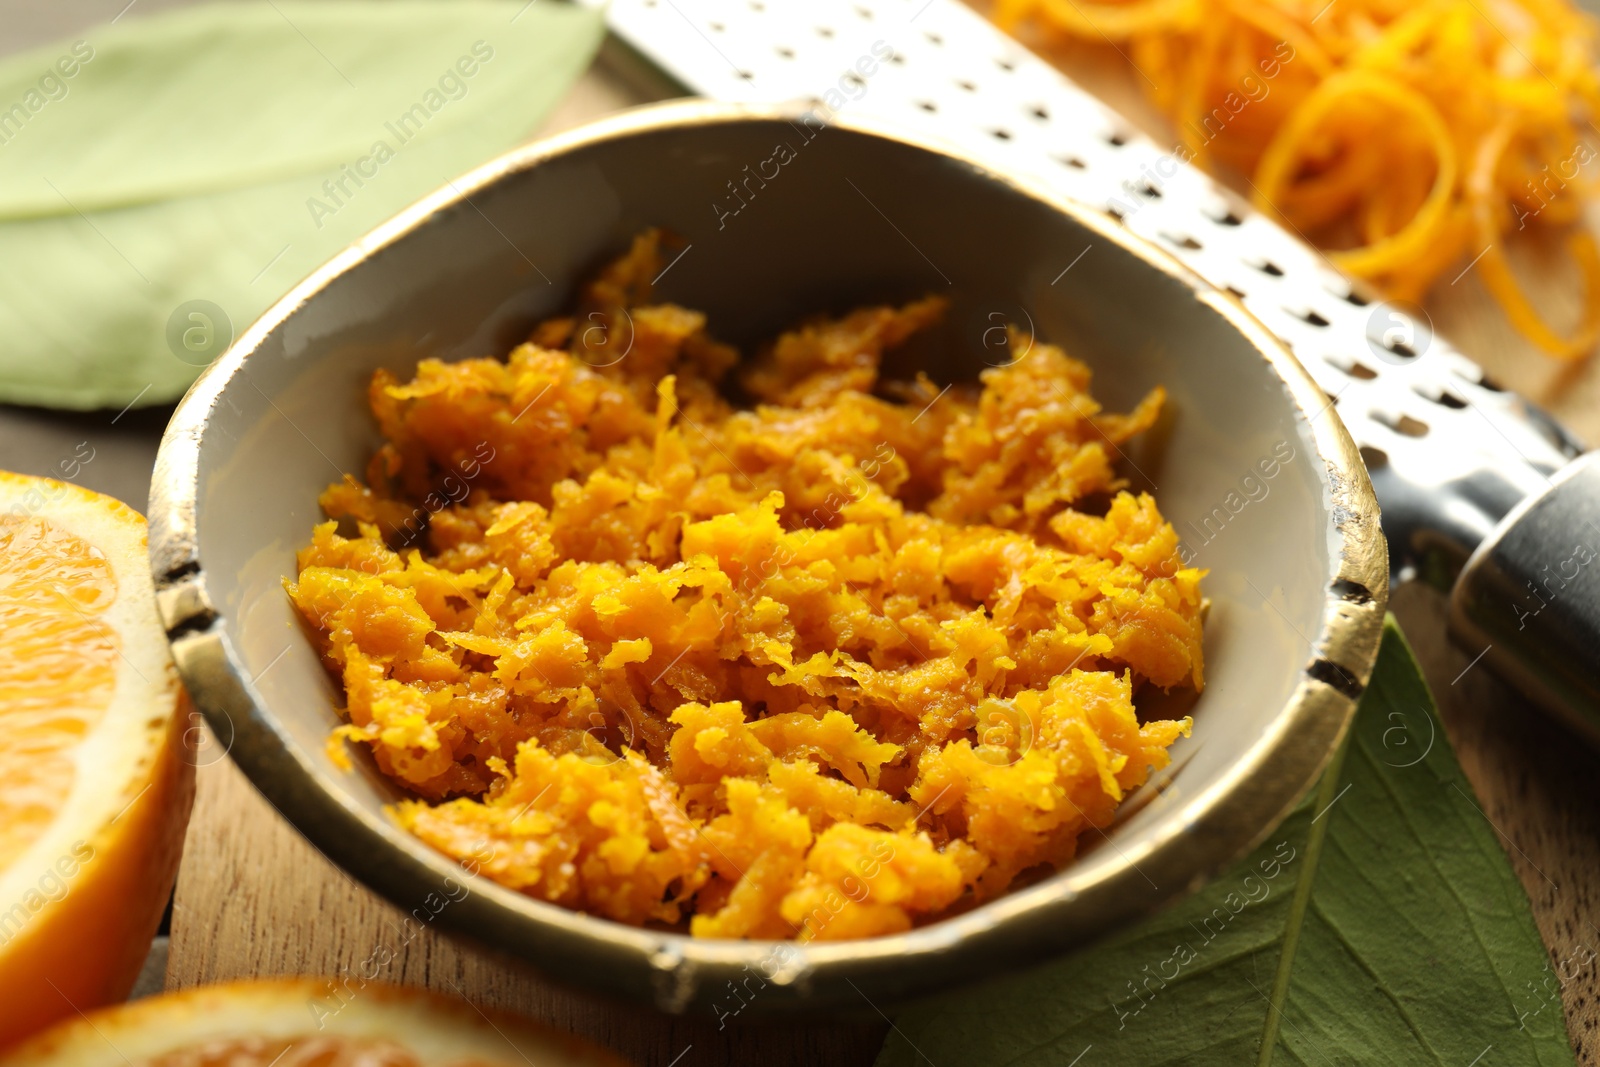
(1250, 464)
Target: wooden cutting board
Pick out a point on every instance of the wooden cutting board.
(255, 899)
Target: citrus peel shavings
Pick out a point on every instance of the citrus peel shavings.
(1404, 139)
(824, 667)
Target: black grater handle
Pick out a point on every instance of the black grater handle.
(1528, 600)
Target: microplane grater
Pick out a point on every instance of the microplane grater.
(1454, 460)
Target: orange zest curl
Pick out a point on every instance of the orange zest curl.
(1404, 139)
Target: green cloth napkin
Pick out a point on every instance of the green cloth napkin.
(164, 179)
(1380, 924)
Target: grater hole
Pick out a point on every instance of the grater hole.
(898, 60)
(1001, 134)
(1041, 113)
(1237, 292)
(1491, 385)
(1356, 368)
(1400, 348)
(825, 31)
(854, 79)
(716, 27)
(1005, 65)
(1266, 266)
(1309, 316)
(1405, 424)
(757, 5)
(1374, 458)
(967, 85)
(1115, 212)
(864, 12)
(1116, 139)
(933, 38)
(1445, 398)
(1227, 218)
(1185, 241)
(1072, 161)
(746, 75)
(928, 105)
(1146, 189)
(1353, 297)
(786, 52)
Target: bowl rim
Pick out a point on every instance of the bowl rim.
(1206, 832)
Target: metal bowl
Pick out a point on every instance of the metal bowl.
(784, 218)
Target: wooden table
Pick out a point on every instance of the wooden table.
(255, 899)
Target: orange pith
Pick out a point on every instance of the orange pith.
(60, 671)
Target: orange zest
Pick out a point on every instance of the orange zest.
(1404, 139)
(827, 666)
(1502, 282)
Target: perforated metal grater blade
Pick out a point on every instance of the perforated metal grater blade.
(1449, 453)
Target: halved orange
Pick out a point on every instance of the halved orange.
(94, 787)
(304, 1022)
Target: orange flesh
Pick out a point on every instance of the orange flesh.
(57, 668)
(823, 668)
(308, 1050)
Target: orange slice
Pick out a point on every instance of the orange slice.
(267, 1023)
(94, 787)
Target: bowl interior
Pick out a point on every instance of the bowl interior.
(781, 220)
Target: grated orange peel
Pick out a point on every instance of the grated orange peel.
(827, 666)
(1401, 138)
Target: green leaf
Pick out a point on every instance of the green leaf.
(1380, 924)
(221, 153)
